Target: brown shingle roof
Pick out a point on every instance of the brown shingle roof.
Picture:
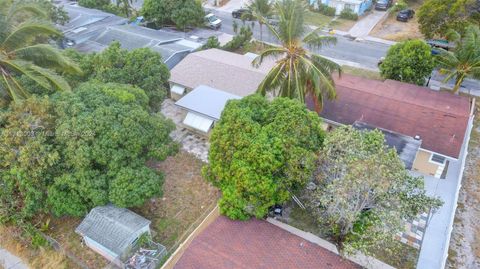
(223, 70)
(439, 118)
(255, 244)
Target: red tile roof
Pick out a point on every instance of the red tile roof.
(227, 244)
(439, 118)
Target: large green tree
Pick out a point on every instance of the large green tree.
(142, 67)
(181, 13)
(105, 135)
(436, 17)
(362, 192)
(260, 152)
(28, 158)
(22, 25)
(409, 61)
(464, 60)
(297, 73)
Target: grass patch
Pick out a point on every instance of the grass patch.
(342, 24)
(404, 256)
(12, 241)
(316, 19)
(360, 72)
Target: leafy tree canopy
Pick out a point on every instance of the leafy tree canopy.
(105, 136)
(142, 67)
(436, 17)
(260, 151)
(362, 191)
(181, 13)
(409, 61)
(77, 150)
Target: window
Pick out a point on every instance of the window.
(437, 159)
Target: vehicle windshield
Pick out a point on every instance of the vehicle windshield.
(382, 2)
(212, 18)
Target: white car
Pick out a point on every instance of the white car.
(212, 21)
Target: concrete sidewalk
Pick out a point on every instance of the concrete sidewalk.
(365, 25)
(10, 261)
(229, 6)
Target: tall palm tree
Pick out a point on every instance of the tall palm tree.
(260, 10)
(22, 26)
(464, 60)
(297, 73)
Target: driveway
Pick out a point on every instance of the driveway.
(10, 261)
(365, 25)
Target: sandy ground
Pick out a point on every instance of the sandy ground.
(394, 30)
(464, 252)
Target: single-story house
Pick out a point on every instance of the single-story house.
(203, 107)
(357, 6)
(437, 120)
(112, 231)
(227, 71)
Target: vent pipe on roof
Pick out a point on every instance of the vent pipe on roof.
(417, 137)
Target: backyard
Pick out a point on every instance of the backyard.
(187, 199)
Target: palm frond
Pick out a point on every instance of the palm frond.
(58, 82)
(20, 67)
(25, 32)
(314, 40)
(46, 56)
(19, 7)
(268, 53)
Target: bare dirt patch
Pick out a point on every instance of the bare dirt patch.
(464, 252)
(394, 30)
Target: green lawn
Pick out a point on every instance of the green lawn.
(364, 73)
(317, 19)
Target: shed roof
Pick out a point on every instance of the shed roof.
(112, 227)
(207, 101)
(405, 146)
(439, 118)
(220, 69)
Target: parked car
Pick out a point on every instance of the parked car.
(242, 13)
(211, 21)
(405, 15)
(439, 43)
(383, 4)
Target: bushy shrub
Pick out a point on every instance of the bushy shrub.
(241, 40)
(399, 5)
(326, 10)
(212, 43)
(348, 14)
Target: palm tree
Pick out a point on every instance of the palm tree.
(260, 10)
(464, 60)
(126, 5)
(297, 73)
(21, 53)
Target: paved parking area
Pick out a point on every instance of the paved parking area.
(191, 142)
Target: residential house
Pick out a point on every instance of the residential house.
(91, 30)
(112, 231)
(358, 7)
(203, 107)
(219, 69)
(438, 120)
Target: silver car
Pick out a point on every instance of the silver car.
(211, 21)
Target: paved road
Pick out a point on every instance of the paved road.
(361, 53)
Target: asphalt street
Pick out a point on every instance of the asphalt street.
(362, 53)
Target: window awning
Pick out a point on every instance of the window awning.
(177, 89)
(198, 122)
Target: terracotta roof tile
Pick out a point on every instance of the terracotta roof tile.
(439, 118)
(255, 244)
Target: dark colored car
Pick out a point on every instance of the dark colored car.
(405, 15)
(383, 4)
(242, 13)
